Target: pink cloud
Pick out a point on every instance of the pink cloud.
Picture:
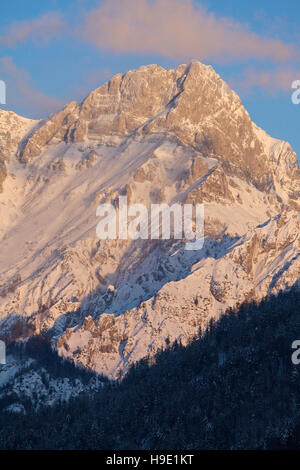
(271, 81)
(176, 29)
(40, 29)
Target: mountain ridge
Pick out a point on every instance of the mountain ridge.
(156, 136)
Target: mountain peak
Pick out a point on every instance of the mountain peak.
(191, 102)
(156, 136)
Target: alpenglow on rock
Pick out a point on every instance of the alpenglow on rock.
(156, 136)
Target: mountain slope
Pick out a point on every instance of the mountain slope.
(156, 136)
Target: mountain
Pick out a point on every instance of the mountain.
(156, 136)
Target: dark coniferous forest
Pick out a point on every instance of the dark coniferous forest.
(233, 387)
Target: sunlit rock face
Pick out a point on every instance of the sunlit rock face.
(13, 129)
(156, 136)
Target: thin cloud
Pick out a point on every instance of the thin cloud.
(40, 29)
(21, 93)
(176, 29)
(271, 81)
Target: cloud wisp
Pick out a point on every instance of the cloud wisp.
(176, 29)
(179, 30)
(271, 81)
(41, 29)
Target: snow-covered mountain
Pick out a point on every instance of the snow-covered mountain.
(156, 136)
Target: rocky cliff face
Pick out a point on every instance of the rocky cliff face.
(191, 102)
(156, 136)
(13, 129)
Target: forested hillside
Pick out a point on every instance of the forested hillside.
(234, 387)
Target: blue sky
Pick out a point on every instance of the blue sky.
(55, 51)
